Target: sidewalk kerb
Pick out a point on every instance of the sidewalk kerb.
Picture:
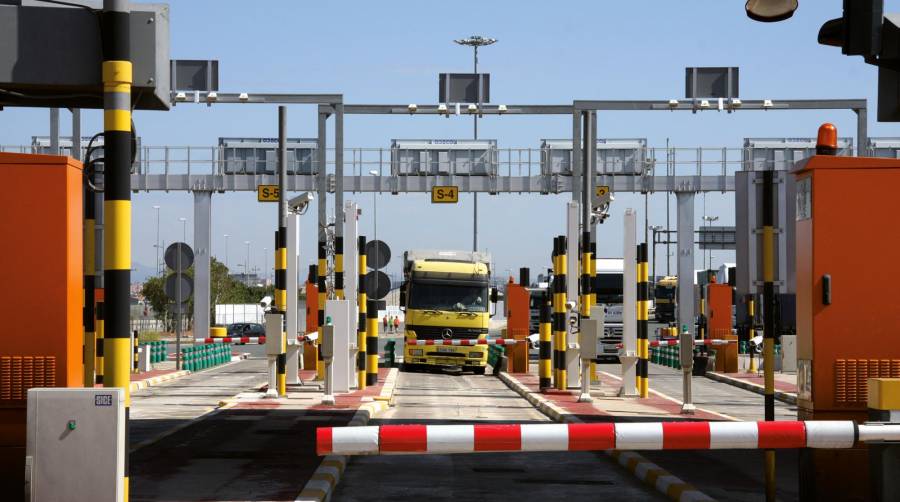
(784, 397)
(321, 484)
(648, 472)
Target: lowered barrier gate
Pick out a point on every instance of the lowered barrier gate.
(443, 439)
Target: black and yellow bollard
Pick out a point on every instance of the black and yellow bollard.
(281, 305)
(372, 342)
(592, 296)
(751, 313)
(135, 353)
(117, 77)
(323, 295)
(99, 325)
(545, 347)
(643, 308)
(339, 267)
(361, 341)
(90, 330)
(559, 313)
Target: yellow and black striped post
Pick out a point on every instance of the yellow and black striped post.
(117, 76)
(100, 326)
(281, 304)
(768, 220)
(90, 331)
(545, 347)
(372, 342)
(751, 313)
(339, 266)
(323, 294)
(559, 312)
(592, 271)
(134, 351)
(643, 309)
(361, 341)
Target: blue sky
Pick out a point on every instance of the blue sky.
(548, 53)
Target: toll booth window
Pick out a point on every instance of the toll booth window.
(448, 297)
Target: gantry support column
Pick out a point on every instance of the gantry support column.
(628, 359)
(202, 275)
(117, 77)
(281, 247)
(685, 246)
(339, 276)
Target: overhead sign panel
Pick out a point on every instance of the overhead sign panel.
(51, 56)
(466, 157)
(194, 75)
(717, 237)
(711, 82)
(614, 156)
(260, 155)
(464, 88)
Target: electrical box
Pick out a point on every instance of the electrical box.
(275, 339)
(517, 302)
(327, 346)
(75, 448)
(591, 331)
(845, 212)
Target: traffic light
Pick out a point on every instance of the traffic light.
(858, 32)
(864, 30)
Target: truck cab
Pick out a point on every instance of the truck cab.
(447, 298)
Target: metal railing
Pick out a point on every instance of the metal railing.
(504, 162)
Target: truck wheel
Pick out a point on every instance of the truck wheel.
(478, 370)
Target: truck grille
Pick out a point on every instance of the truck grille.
(436, 332)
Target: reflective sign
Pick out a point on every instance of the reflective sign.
(267, 193)
(444, 194)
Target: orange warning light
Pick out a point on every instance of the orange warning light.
(826, 143)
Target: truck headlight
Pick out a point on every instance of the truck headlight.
(415, 352)
(474, 355)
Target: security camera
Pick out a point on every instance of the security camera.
(266, 302)
(534, 340)
(570, 305)
(299, 203)
(756, 343)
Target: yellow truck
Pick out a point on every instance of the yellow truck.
(665, 300)
(446, 297)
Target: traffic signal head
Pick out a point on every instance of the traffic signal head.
(858, 31)
(770, 11)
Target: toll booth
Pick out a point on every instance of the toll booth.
(310, 349)
(517, 302)
(847, 315)
(41, 298)
(718, 320)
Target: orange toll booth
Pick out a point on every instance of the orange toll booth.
(310, 353)
(518, 321)
(847, 315)
(718, 308)
(42, 297)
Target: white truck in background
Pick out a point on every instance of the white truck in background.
(608, 285)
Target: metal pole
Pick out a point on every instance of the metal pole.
(339, 201)
(226, 251)
(475, 194)
(76, 134)
(157, 239)
(280, 249)
(668, 223)
(54, 131)
(769, 321)
(117, 77)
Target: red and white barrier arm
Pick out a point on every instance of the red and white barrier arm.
(253, 339)
(233, 339)
(669, 343)
(442, 439)
(467, 343)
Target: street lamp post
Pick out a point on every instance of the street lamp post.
(476, 41)
(247, 265)
(183, 229)
(226, 251)
(708, 220)
(266, 267)
(157, 239)
(655, 228)
(375, 172)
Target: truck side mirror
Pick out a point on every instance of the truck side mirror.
(403, 296)
(495, 296)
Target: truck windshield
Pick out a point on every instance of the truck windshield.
(448, 297)
(665, 292)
